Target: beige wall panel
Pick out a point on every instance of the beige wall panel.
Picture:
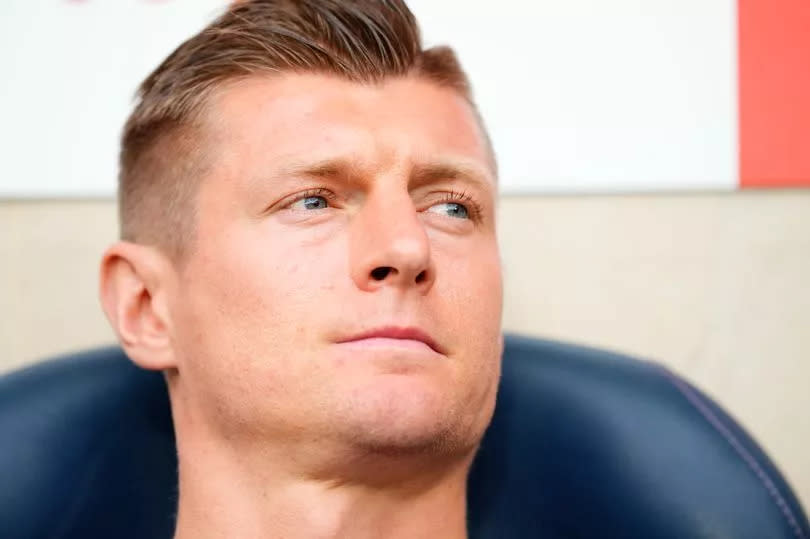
(713, 285)
(49, 255)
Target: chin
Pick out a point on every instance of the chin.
(409, 418)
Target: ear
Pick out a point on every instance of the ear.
(133, 286)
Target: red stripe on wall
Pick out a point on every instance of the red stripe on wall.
(774, 71)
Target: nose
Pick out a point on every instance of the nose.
(389, 245)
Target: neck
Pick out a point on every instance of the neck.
(246, 494)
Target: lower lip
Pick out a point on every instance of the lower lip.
(389, 343)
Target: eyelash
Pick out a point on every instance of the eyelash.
(316, 192)
(473, 208)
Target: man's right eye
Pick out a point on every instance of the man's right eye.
(316, 202)
(310, 200)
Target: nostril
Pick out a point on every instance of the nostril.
(380, 273)
(421, 277)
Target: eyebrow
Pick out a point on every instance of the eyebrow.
(456, 170)
(350, 170)
(323, 168)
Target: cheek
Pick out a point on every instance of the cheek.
(248, 313)
(470, 283)
(251, 292)
(275, 270)
(469, 287)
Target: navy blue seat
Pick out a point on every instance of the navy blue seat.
(584, 444)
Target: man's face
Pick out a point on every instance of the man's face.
(345, 283)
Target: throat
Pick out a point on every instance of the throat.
(253, 498)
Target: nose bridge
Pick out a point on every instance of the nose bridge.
(389, 243)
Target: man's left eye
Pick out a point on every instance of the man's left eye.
(451, 209)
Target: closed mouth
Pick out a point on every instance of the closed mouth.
(392, 332)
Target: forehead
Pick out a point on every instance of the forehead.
(274, 119)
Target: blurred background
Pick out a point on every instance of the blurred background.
(655, 178)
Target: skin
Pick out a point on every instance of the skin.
(331, 208)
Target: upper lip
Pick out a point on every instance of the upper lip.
(397, 332)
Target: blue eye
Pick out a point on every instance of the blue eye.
(451, 209)
(311, 203)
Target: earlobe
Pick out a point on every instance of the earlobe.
(132, 288)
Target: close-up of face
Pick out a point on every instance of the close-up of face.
(344, 280)
(264, 273)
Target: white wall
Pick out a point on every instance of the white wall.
(579, 95)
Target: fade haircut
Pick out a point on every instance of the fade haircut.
(162, 155)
